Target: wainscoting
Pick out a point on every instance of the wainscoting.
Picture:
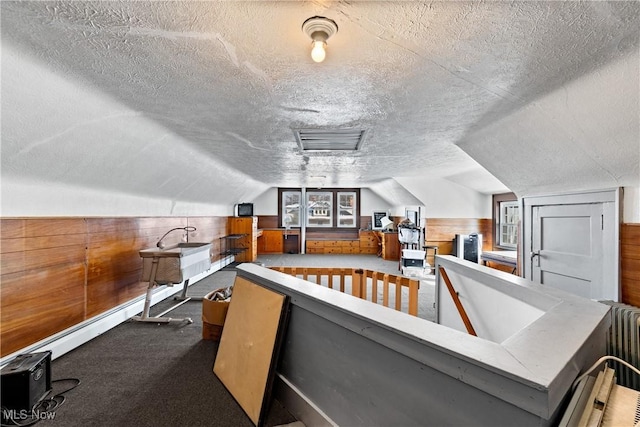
(441, 231)
(59, 272)
(630, 260)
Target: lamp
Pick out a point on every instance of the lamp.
(319, 29)
(387, 224)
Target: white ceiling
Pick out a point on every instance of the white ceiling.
(191, 100)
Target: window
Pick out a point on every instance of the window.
(347, 209)
(319, 209)
(290, 209)
(324, 209)
(506, 218)
(508, 224)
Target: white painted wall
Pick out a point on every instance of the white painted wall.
(82, 152)
(445, 199)
(582, 136)
(495, 315)
(266, 203)
(370, 202)
(20, 198)
(631, 204)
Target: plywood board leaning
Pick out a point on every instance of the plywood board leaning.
(249, 346)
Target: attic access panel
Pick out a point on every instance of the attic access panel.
(329, 139)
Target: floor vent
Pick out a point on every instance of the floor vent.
(330, 139)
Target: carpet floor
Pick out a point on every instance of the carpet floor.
(149, 374)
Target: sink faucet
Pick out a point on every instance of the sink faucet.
(186, 229)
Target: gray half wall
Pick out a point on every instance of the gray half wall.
(366, 365)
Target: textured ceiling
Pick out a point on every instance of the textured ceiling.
(180, 99)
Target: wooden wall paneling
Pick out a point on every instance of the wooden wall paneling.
(211, 230)
(268, 221)
(630, 263)
(208, 229)
(35, 253)
(441, 232)
(114, 263)
(38, 227)
(365, 222)
(57, 272)
(42, 278)
(441, 229)
(38, 303)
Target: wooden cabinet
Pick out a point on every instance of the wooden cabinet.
(366, 243)
(248, 228)
(271, 242)
(369, 242)
(390, 246)
(333, 246)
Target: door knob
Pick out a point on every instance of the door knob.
(536, 255)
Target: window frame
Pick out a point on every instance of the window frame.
(330, 209)
(340, 216)
(334, 223)
(499, 201)
(282, 208)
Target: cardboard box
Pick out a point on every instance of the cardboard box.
(213, 316)
(211, 332)
(413, 254)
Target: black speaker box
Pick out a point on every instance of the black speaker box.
(26, 380)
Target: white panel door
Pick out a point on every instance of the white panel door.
(567, 248)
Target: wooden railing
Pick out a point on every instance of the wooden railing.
(359, 280)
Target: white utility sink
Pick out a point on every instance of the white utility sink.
(176, 263)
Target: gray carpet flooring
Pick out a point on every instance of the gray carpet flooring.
(148, 374)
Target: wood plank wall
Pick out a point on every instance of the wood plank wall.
(58, 272)
(630, 263)
(441, 231)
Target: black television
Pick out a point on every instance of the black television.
(244, 209)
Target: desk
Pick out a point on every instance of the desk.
(508, 258)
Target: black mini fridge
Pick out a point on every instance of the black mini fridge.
(468, 246)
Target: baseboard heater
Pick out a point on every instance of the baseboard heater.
(623, 342)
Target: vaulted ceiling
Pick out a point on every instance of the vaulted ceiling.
(199, 100)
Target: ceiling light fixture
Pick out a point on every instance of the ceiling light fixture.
(319, 29)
